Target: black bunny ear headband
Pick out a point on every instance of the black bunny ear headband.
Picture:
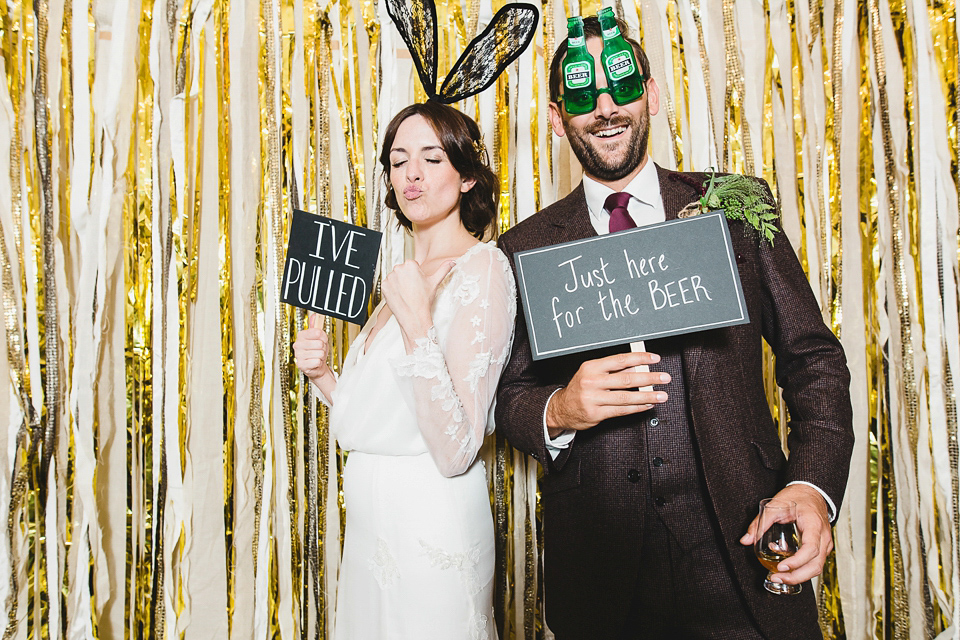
(483, 60)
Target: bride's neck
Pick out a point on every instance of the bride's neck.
(442, 241)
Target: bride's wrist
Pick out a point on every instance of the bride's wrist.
(322, 374)
(418, 329)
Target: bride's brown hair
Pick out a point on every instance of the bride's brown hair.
(461, 140)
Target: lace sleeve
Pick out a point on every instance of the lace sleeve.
(454, 385)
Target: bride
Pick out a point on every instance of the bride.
(412, 401)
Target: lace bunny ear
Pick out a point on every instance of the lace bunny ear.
(416, 21)
(487, 55)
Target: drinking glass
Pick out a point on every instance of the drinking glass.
(777, 540)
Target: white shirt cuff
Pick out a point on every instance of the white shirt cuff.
(562, 441)
(831, 508)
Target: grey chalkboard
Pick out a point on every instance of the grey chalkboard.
(329, 267)
(654, 281)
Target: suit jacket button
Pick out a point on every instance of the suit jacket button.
(660, 501)
(654, 422)
(658, 461)
(633, 475)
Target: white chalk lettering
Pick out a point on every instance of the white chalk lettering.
(618, 308)
(573, 272)
(663, 296)
(670, 294)
(603, 269)
(336, 249)
(345, 296)
(646, 266)
(590, 278)
(570, 318)
(695, 281)
(683, 292)
(357, 302)
(351, 249)
(654, 291)
(293, 262)
(326, 298)
(323, 225)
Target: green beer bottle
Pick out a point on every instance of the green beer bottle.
(579, 86)
(624, 77)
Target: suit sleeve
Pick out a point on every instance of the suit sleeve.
(521, 397)
(812, 371)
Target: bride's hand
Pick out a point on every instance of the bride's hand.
(410, 293)
(310, 349)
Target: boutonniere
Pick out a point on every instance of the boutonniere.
(740, 198)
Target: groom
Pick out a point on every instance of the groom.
(649, 496)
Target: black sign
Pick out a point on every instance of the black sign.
(330, 266)
(653, 281)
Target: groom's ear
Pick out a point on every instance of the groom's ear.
(556, 119)
(653, 96)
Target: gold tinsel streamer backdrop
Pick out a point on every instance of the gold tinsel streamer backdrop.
(152, 153)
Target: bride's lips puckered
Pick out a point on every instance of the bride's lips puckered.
(412, 193)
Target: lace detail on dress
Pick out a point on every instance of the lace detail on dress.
(468, 290)
(427, 361)
(383, 565)
(478, 369)
(478, 627)
(465, 563)
(455, 372)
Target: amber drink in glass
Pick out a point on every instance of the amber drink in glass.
(777, 540)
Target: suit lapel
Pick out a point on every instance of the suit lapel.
(677, 190)
(573, 219)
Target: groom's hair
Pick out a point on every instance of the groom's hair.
(591, 29)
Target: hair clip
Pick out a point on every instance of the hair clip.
(480, 148)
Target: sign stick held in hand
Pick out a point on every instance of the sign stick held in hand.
(638, 347)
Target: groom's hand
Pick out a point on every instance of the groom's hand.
(605, 388)
(816, 539)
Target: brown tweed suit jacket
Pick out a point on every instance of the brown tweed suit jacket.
(593, 516)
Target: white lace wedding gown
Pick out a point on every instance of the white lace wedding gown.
(418, 554)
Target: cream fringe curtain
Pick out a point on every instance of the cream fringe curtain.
(151, 153)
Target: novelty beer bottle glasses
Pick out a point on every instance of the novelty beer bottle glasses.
(624, 78)
(579, 86)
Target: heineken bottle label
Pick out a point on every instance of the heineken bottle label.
(612, 32)
(576, 75)
(573, 42)
(619, 65)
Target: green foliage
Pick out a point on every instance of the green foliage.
(741, 198)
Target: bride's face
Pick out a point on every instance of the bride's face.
(427, 186)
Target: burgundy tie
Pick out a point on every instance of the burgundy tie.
(616, 204)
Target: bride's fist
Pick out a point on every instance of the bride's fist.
(410, 292)
(310, 349)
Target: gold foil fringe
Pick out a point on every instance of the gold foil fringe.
(901, 617)
(28, 431)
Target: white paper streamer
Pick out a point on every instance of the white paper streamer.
(853, 529)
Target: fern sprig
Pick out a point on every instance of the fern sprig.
(743, 199)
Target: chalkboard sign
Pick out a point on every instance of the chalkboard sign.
(330, 266)
(654, 281)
